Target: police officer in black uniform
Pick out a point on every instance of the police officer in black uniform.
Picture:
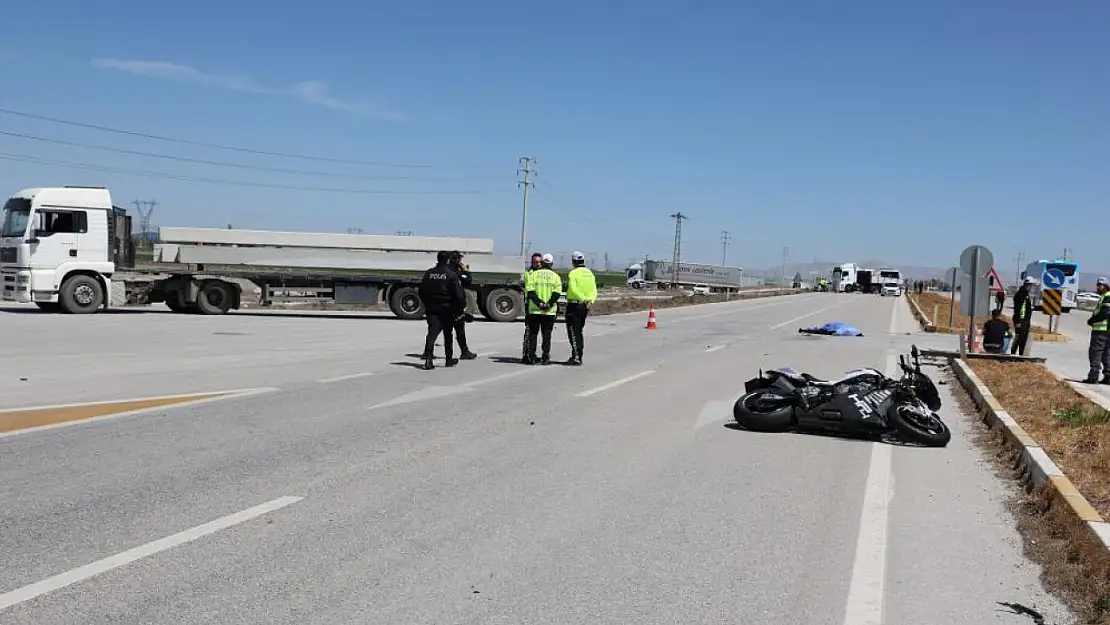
(463, 271)
(444, 300)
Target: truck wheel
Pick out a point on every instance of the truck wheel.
(504, 305)
(405, 303)
(215, 297)
(81, 295)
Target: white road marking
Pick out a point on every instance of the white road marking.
(712, 412)
(715, 348)
(233, 394)
(615, 383)
(700, 317)
(894, 316)
(865, 593)
(816, 312)
(340, 378)
(504, 376)
(425, 393)
(62, 580)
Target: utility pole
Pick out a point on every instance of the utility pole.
(525, 170)
(677, 256)
(144, 216)
(726, 238)
(1066, 250)
(785, 256)
(1020, 264)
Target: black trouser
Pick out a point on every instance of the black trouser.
(460, 334)
(1021, 336)
(576, 320)
(539, 325)
(1099, 354)
(441, 321)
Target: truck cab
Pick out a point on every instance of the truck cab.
(59, 248)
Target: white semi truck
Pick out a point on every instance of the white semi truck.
(890, 282)
(69, 249)
(660, 273)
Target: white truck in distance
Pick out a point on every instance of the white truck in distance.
(890, 282)
(67, 249)
(704, 278)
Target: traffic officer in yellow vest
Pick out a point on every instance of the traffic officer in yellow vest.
(537, 260)
(581, 294)
(541, 306)
(1099, 351)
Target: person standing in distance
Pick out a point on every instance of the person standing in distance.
(463, 272)
(444, 300)
(1023, 316)
(542, 297)
(1099, 351)
(581, 294)
(537, 260)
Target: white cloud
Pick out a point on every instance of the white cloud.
(311, 92)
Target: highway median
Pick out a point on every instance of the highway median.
(933, 312)
(1056, 438)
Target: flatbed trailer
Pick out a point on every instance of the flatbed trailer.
(495, 297)
(69, 249)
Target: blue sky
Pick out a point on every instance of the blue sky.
(847, 131)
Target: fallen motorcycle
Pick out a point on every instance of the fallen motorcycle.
(863, 403)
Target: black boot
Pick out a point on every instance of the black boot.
(428, 364)
(451, 362)
(468, 355)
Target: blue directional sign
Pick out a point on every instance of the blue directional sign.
(1053, 279)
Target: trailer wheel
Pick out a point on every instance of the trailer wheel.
(504, 305)
(405, 303)
(215, 297)
(81, 294)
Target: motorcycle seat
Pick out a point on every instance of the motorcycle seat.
(799, 377)
(806, 378)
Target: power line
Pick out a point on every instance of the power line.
(223, 181)
(202, 161)
(232, 148)
(676, 257)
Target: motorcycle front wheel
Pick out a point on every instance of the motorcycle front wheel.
(919, 425)
(765, 410)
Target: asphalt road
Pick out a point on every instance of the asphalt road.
(489, 493)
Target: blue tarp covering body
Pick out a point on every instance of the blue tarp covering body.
(833, 328)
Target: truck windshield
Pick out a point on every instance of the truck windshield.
(16, 213)
(890, 274)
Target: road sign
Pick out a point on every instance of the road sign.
(982, 297)
(974, 288)
(995, 280)
(967, 259)
(1050, 301)
(1053, 279)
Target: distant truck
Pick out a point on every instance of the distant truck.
(69, 249)
(890, 282)
(660, 273)
(845, 278)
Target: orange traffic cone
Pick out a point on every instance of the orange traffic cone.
(651, 318)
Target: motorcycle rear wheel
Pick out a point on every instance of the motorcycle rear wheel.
(755, 412)
(919, 425)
